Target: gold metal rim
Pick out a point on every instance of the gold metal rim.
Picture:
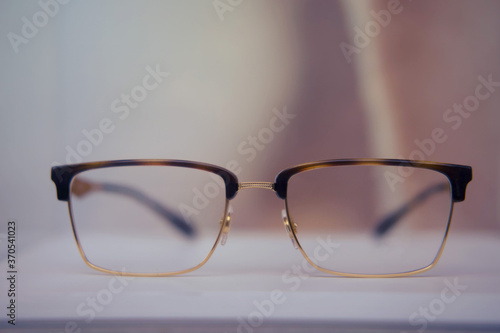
(263, 185)
(268, 186)
(109, 271)
(391, 275)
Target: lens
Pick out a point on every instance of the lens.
(370, 219)
(147, 219)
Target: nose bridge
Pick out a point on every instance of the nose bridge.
(264, 185)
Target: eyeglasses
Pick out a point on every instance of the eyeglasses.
(358, 218)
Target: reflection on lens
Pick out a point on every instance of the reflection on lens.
(370, 219)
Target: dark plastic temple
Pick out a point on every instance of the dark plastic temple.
(167, 213)
(393, 218)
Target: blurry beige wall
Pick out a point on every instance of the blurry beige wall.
(216, 81)
(435, 66)
(378, 78)
(230, 76)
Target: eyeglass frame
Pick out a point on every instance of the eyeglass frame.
(458, 175)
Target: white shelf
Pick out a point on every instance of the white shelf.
(55, 285)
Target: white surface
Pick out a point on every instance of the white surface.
(53, 282)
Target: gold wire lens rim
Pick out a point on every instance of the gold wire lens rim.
(270, 186)
(121, 273)
(389, 275)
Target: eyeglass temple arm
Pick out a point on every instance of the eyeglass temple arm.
(394, 217)
(81, 187)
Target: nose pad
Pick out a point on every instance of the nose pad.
(226, 226)
(288, 228)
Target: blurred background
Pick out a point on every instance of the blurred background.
(261, 85)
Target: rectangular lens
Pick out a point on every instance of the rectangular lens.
(370, 219)
(147, 219)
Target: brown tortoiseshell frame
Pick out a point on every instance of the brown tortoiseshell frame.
(458, 175)
(62, 175)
